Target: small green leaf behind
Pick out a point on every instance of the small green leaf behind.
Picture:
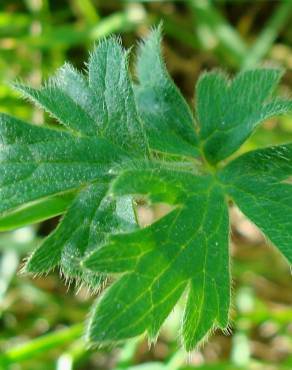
(229, 111)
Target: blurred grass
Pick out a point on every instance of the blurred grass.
(40, 319)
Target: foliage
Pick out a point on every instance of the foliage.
(120, 142)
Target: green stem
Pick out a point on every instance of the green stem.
(127, 353)
(67, 35)
(215, 33)
(76, 354)
(178, 31)
(118, 22)
(265, 40)
(87, 10)
(41, 345)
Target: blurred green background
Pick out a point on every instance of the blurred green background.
(41, 319)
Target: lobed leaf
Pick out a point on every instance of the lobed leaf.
(73, 239)
(52, 163)
(56, 101)
(256, 183)
(160, 103)
(110, 84)
(103, 105)
(187, 249)
(229, 111)
(95, 167)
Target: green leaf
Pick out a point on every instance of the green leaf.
(256, 182)
(110, 85)
(73, 239)
(40, 165)
(103, 105)
(170, 144)
(161, 105)
(55, 163)
(97, 165)
(70, 113)
(229, 111)
(76, 87)
(186, 250)
(38, 162)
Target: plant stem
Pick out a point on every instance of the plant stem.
(41, 345)
(178, 31)
(118, 22)
(215, 33)
(266, 38)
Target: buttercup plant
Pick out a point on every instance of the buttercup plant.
(119, 141)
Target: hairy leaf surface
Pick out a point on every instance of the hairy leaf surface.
(169, 121)
(229, 111)
(72, 239)
(186, 250)
(256, 182)
(119, 143)
(39, 164)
